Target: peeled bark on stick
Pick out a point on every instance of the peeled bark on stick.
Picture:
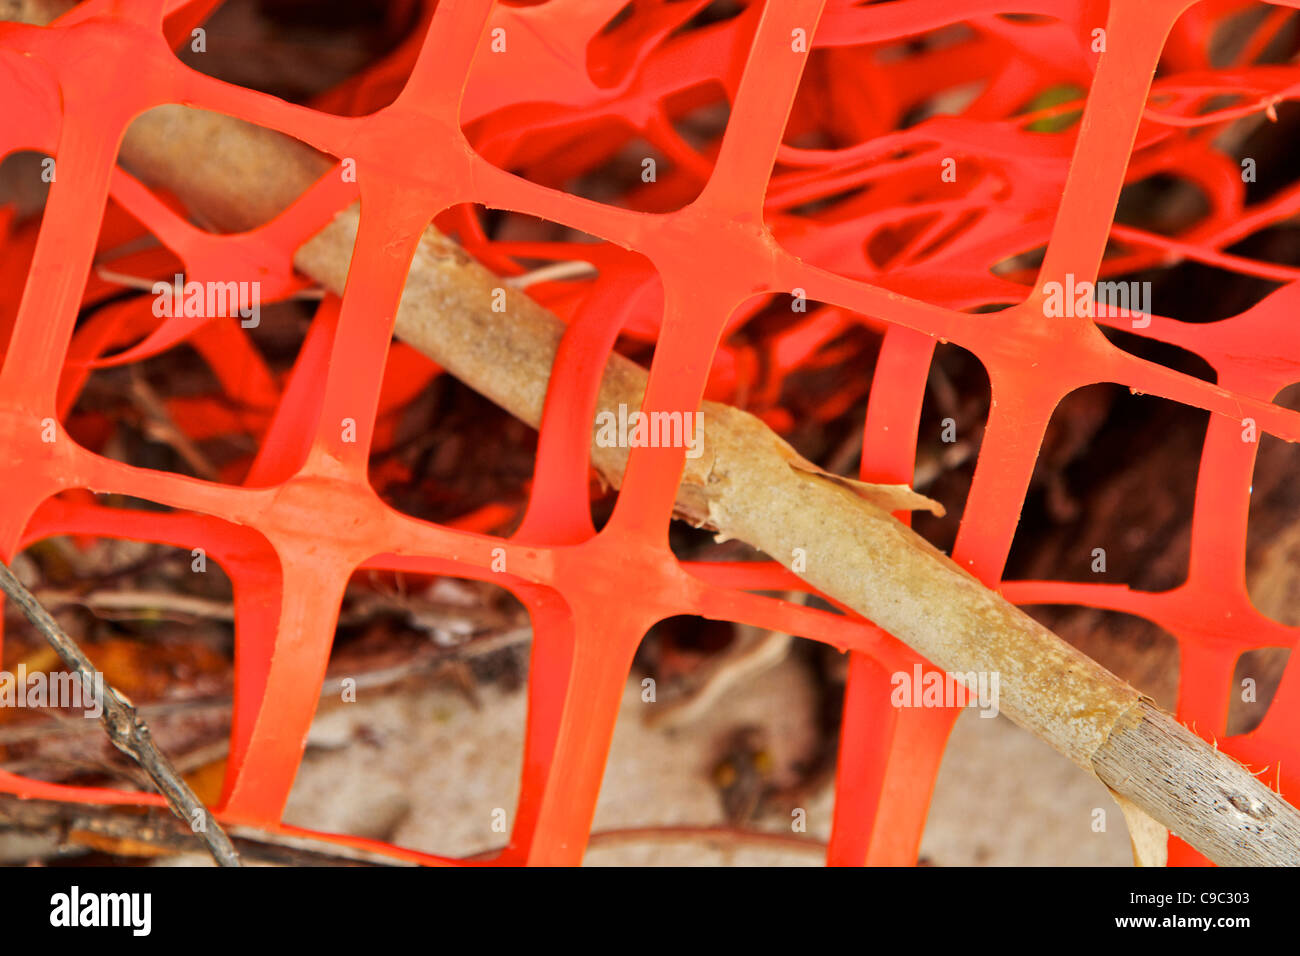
(752, 486)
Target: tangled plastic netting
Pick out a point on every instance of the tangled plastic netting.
(829, 180)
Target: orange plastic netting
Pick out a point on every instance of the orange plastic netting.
(445, 121)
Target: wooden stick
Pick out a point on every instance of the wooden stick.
(717, 837)
(750, 485)
(152, 832)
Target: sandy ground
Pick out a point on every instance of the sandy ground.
(422, 768)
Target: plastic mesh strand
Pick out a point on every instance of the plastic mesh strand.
(305, 517)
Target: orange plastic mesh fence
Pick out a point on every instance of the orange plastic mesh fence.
(822, 97)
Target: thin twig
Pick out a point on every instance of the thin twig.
(126, 729)
(555, 272)
(140, 604)
(730, 837)
(96, 827)
(159, 426)
(753, 651)
(722, 837)
(422, 614)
